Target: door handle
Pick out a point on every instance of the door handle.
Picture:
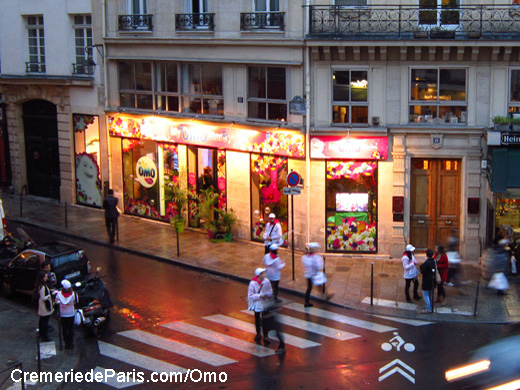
(448, 222)
(420, 221)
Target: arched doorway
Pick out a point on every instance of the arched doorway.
(41, 148)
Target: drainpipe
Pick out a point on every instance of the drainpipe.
(307, 71)
(105, 86)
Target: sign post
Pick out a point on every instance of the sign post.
(293, 179)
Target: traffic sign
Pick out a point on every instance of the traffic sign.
(293, 179)
(292, 190)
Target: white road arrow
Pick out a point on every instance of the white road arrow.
(397, 369)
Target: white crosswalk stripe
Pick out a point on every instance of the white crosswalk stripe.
(174, 346)
(340, 318)
(314, 328)
(219, 338)
(136, 359)
(250, 328)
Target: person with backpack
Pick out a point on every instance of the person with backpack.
(45, 308)
(273, 233)
(66, 298)
(258, 293)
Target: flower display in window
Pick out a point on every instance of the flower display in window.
(350, 169)
(81, 121)
(221, 179)
(140, 207)
(351, 235)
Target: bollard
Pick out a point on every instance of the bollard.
(432, 297)
(38, 351)
(21, 205)
(372, 285)
(66, 217)
(59, 328)
(178, 249)
(323, 288)
(476, 300)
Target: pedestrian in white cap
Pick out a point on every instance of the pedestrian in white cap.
(313, 265)
(258, 293)
(410, 273)
(274, 267)
(66, 299)
(272, 233)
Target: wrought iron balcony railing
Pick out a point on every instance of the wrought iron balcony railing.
(189, 22)
(409, 22)
(35, 67)
(135, 23)
(84, 69)
(262, 21)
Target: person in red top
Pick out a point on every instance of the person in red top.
(442, 266)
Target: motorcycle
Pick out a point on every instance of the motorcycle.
(93, 302)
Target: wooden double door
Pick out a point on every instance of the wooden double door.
(434, 201)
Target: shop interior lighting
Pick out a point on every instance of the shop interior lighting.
(468, 370)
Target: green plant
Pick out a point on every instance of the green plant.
(227, 220)
(177, 194)
(515, 121)
(501, 120)
(208, 198)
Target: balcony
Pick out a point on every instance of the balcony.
(35, 67)
(382, 22)
(135, 23)
(250, 21)
(191, 22)
(86, 68)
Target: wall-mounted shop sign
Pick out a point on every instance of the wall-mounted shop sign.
(336, 147)
(146, 172)
(193, 132)
(510, 139)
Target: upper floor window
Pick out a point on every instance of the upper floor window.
(267, 93)
(514, 95)
(36, 37)
(138, 7)
(199, 6)
(168, 86)
(438, 95)
(350, 96)
(266, 5)
(351, 3)
(83, 44)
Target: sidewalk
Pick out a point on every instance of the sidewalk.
(349, 278)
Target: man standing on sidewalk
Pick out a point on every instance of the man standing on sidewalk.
(111, 214)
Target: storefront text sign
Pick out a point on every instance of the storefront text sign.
(335, 147)
(510, 139)
(216, 135)
(146, 172)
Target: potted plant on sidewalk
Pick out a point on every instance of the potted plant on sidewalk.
(228, 222)
(177, 195)
(208, 198)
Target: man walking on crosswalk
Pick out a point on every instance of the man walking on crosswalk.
(259, 292)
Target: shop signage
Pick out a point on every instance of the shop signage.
(297, 106)
(337, 147)
(146, 172)
(216, 135)
(510, 139)
(292, 190)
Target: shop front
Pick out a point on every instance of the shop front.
(351, 190)
(203, 156)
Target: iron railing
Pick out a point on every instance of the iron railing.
(262, 21)
(135, 23)
(200, 21)
(405, 22)
(84, 69)
(35, 67)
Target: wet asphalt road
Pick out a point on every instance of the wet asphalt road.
(148, 294)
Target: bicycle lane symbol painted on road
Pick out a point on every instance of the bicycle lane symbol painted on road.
(397, 365)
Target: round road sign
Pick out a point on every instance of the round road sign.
(293, 179)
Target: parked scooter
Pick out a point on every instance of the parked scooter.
(94, 302)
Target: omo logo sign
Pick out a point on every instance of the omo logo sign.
(146, 172)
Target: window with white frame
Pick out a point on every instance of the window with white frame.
(169, 86)
(350, 96)
(351, 3)
(266, 5)
(514, 94)
(82, 43)
(267, 93)
(36, 37)
(199, 6)
(137, 7)
(438, 95)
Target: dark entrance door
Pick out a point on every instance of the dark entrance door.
(41, 148)
(435, 201)
(5, 164)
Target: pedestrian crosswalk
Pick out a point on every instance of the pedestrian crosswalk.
(218, 341)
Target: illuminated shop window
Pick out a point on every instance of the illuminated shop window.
(86, 147)
(267, 93)
(351, 206)
(514, 95)
(268, 177)
(350, 97)
(438, 96)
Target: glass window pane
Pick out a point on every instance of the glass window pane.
(143, 76)
(173, 103)
(194, 83)
(359, 114)
(340, 114)
(256, 110)
(212, 79)
(424, 84)
(260, 5)
(452, 85)
(341, 86)
(145, 102)
(127, 100)
(195, 106)
(423, 114)
(515, 85)
(277, 112)
(359, 86)
(172, 84)
(126, 76)
(256, 76)
(214, 106)
(276, 83)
